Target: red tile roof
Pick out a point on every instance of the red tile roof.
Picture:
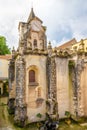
(3, 78)
(7, 57)
(67, 44)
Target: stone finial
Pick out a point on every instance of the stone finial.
(82, 41)
(81, 45)
(49, 45)
(49, 49)
(55, 50)
(18, 49)
(13, 50)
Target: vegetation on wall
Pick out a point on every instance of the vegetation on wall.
(5, 88)
(39, 115)
(3, 46)
(71, 64)
(68, 115)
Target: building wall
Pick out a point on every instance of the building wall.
(4, 68)
(4, 64)
(34, 107)
(31, 98)
(77, 45)
(63, 90)
(1, 87)
(83, 85)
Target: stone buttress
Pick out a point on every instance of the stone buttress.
(52, 105)
(20, 105)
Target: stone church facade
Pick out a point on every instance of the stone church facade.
(43, 79)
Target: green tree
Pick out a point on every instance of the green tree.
(3, 47)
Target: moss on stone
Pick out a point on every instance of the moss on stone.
(71, 64)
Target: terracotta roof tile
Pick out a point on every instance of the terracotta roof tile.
(3, 78)
(32, 16)
(67, 44)
(7, 57)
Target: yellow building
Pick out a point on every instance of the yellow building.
(67, 45)
(4, 63)
(80, 46)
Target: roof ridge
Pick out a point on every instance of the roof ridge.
(31, 16)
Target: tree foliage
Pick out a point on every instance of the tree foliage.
(3, 47)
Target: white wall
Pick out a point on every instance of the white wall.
(62, 86)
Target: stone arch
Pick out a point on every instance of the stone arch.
(35, 43)
(29, 44)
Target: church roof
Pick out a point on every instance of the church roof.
(67, 44)
(3, 78)
(6, 57)
(32, 16)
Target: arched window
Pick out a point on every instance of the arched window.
(35, 43)
(31, 76)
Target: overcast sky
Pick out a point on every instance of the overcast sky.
(65, 19)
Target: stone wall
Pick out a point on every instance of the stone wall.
(81, 69)
(78, 78)
(62, 76)
(72, 87)
(83, 91)
(52, 105)
(36, 103)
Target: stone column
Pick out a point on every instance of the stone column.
(53, 79)
(52, 90)
(79, 68)
(75, 71)
(20, 108)
(48, 76)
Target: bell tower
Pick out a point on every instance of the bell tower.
(30, 62)
(32, 34)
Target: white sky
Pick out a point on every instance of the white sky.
(65, 19)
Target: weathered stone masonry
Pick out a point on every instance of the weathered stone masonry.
(79, 69)
(20, 105)
(41, 73)
(52, 89)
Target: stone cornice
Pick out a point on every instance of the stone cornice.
(35, 52)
